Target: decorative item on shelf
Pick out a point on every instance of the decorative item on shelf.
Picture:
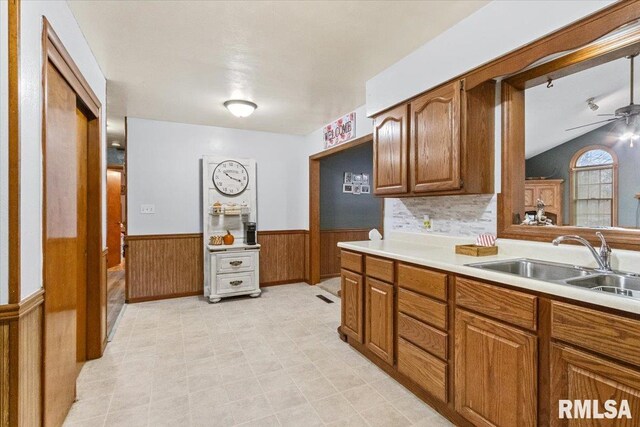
(232, 209)
(228, 238)
(538, 217)
(215, 240)
(216, 208)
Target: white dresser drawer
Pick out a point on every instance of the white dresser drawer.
(235, 261)
(235, 282)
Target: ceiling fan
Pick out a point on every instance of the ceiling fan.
(628, 113)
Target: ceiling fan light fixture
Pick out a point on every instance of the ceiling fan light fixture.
(629, 136)
(240, 108)
(592, 105)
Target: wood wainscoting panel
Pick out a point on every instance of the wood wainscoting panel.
(30, 366)
(4, 374)
(164, 266)
(330, 252)
(282, 256)
(21, 362)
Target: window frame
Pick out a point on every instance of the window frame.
(614, 183)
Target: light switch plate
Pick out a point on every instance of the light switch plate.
(147, 209)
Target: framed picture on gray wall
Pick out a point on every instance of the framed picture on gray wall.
(347, 188)
(365, 189)
(365, 179)
(348, 178)
(357, 188)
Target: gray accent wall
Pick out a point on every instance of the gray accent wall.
(339, 210)
(115, 157)
(559, 159)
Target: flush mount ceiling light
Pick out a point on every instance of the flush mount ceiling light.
(240, 108)
(115, 144)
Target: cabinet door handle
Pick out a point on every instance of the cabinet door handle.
(235, 263)
(236, 282)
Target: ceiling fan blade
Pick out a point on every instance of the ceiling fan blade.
(594, 123)
(604, 115)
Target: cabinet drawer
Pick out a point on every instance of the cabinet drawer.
(423, 308)
(604, 333)
(423, 281)
(423, 335)
(351, 261)
(234, 261)
(234, 282)
(379, 268)
(513, 307)
(426, 370)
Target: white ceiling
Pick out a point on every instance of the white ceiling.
(304, 63)
(550, 111)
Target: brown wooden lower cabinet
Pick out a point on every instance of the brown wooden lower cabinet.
(484, 354)
(576, 375)
(379, 319)
(351, 294)
(496, 372)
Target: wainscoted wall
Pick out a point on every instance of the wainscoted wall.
(163, 266)
(171, 265)
(452, 215)
(21, 362)
(329, 251)
(282, 256)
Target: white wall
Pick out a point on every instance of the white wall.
(164, 169)
(497, 28)
(4, 136)
(65, 25)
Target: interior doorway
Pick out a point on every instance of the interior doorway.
(116, 275)
(341, 206)
(74, 302)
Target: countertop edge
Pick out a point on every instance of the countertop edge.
(565, 291)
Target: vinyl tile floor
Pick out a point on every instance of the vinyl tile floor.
(269, 361)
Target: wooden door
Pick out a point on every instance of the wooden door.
(114, 217)
(495, 372)
(379, 319)
(82, 127)
(390, 143)
(576, 375)
(352, 320)
(435, 140)
(65, 213)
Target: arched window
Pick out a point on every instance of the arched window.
(593, 187)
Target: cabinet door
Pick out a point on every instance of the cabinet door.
(529, 197)
(580, 376)
(390, 136)
(435, 140)
(495, 372)
(379, 319)
(351, 299)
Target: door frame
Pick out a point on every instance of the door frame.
(54, 52)
(314, 202)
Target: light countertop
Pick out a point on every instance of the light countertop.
(440, 254)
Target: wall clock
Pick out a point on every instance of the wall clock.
(230, 177)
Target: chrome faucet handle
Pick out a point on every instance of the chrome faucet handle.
(605, 250)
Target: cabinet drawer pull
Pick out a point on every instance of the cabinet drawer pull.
(235, 282)
(235, 263)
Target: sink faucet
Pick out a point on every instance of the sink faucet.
(603, 256)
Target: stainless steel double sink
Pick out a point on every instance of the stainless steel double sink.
(619, 283)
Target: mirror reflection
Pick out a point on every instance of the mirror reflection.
(582, 148)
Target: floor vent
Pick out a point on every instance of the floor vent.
(325, 299)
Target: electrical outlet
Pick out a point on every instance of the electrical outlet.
(147, 209)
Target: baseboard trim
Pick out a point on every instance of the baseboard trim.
(161, 297)
(329, 276)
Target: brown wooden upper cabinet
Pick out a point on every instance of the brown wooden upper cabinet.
(390, 143)
(448, 133)
(434, 151)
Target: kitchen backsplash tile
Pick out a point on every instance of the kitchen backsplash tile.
(450, 215)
